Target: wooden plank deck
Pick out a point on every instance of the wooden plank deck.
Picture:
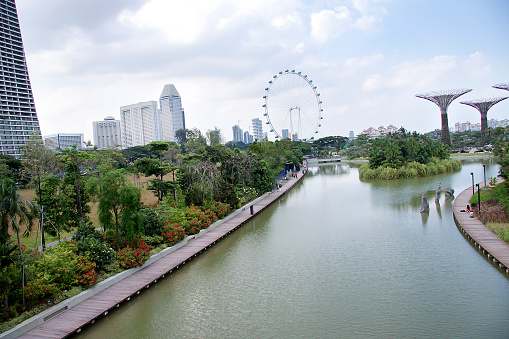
(482, 237)
(73, 319)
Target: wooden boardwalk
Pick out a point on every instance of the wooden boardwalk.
(482, 237)
(73, 319)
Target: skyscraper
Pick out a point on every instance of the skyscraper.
(237, 133)
(285, 134)
(172, 115)
(18, 118)
(139, 123)
(248, 138)
(257, 129)
(107, 133)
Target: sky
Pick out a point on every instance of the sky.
(367, 58)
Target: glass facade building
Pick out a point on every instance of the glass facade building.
(172, 115)
(139, 124)
(18, 118)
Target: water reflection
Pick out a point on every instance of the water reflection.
(328, 169)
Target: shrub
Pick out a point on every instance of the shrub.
(86, 231)
(220, 209)
(37, 290)
(173, 233)
(85, 271)
(410, 170)
(58, 265)
(99, 252)
(130, 257)
(151, 221)
(245, 193)
(196, 219)
(154, 240)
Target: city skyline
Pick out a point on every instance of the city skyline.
(368, 58)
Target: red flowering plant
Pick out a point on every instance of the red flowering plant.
(85, 271)
(196, 219)
(134, 254)
(173, 233)
(37, 290)
(220, 209)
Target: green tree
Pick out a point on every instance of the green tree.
(10, 167)
(196, 142)
(392, 154)
(501, 151)
(214, 137)
(38, 162)
(118, 200)
(8, 271)
(74, 161)
(151, 166)
(14, 212)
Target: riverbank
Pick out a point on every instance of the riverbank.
(71, 315)
(487, 242)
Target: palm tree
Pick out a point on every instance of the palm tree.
(14, 212)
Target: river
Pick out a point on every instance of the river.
(336, 257)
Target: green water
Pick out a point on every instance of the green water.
(334, 258)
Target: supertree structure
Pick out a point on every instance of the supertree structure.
(443, 99)
(483, 106)
(502, 86)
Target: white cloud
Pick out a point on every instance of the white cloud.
(476, 64)
(352, 65)
(373, 82)
(327, 24)
(287, 21)
(299, 48)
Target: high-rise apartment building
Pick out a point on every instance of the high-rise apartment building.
(107, 133)
(248, 138)
(237, 133)
(172, 115)
(257, 129)
(18, 118)
(139, 123)
(285, 134)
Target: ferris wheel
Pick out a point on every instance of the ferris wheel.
(293, 107)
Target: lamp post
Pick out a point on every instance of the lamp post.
(484, 168)
(473, 191)
(479, 199)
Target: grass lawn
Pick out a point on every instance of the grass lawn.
(501, 229)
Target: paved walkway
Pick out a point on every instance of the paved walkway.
(483, 238)
(66, 320)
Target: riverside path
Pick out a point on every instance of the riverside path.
(66, 320)
(482, 237)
